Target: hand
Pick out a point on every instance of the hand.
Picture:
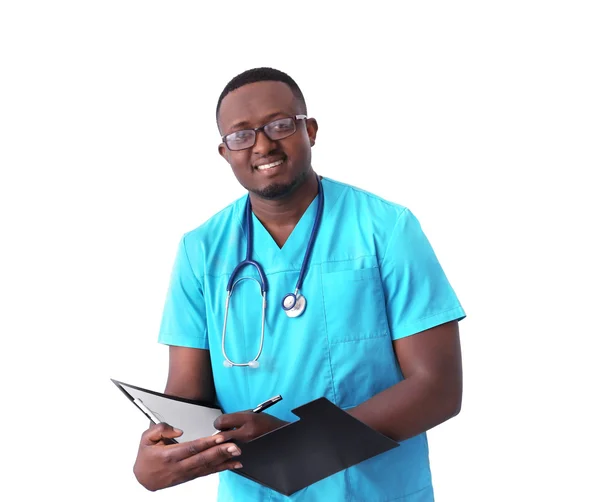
(159, 465)
(245, 425)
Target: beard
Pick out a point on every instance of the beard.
(276, 191)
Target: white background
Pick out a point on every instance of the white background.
(482, 117)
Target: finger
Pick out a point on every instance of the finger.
(205, 462)
(187, 473)
(229, 465)
(160, 431)
(182, 451)
(241, 434)
(231, 420)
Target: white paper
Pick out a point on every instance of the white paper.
(194, 420)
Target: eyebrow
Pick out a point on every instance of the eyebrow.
(266, 120)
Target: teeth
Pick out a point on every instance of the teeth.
(269, 166)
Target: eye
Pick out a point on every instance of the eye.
(240, 136)
(281, 125)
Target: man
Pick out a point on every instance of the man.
(379, 337)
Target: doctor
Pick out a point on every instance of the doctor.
(339, 294)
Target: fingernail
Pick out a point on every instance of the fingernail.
(219, 439)
(234, 450)
(238, 466)
(178, 431)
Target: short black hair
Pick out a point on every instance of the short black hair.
(261, 75)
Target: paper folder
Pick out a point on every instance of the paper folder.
(325, 440)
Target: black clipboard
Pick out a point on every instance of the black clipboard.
(325, 440)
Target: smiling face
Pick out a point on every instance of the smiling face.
(271, 169)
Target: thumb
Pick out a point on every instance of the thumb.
(160, 431)
(230, 421)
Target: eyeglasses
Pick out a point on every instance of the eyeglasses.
(276, 130)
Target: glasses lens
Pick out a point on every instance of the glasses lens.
(239, 140)
(281, 128)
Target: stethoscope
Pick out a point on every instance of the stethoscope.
(293, 304)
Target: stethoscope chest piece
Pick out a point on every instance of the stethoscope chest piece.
(294, 304)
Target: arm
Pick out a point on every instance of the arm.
(431, 391)
(190, 374)
(423, 313)
(160, 464)
(183, 329)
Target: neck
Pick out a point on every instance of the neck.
(280, 216)
(287, 210)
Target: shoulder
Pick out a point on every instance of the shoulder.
(371, 224)
(364, 205)
(216, 228)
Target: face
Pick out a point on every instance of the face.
(271, 169)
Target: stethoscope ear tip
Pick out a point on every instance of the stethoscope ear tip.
(251, 364)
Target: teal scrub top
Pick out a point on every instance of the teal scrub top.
(372, 277)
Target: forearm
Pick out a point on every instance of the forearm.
(410, 407)
(199, 391)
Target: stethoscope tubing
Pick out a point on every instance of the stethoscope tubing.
(262, 329)
(262, 283)
(313, 236)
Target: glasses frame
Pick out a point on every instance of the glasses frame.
(256, 130)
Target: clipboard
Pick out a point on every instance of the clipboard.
(325, 440)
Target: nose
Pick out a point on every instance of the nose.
(264, 145)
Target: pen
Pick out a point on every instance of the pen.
(267, 404)
(261, 407)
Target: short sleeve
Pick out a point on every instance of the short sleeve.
(184, 315)
(418, 294)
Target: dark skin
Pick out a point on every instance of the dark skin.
(431, 391)
(254, 105)
(159, 463)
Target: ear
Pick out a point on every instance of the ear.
(311, 128)
(223, 152)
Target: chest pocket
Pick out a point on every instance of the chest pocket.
(354, 302)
